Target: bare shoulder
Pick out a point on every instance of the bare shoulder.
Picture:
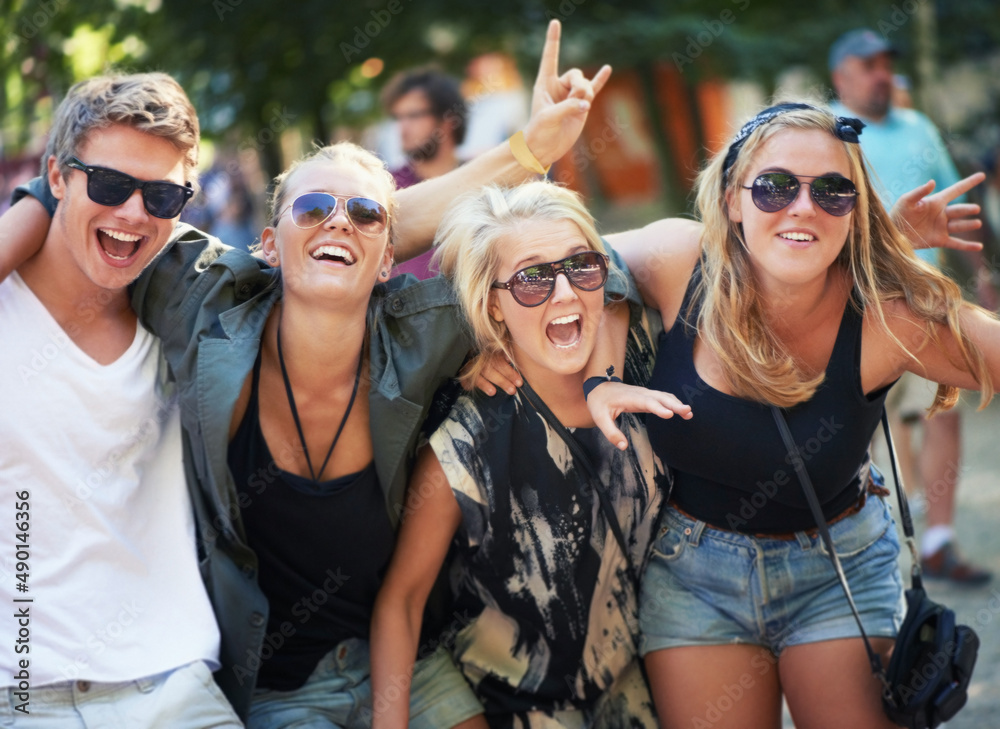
(903, 324)
(887, 351)
(661, 257)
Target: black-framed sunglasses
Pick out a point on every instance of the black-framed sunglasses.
(368, 216)
(106, 186)
(533, 285)
(774, 191)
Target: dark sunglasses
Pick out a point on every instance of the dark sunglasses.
(774, 191)
(315, 208)
(111, 187)
(532, 286)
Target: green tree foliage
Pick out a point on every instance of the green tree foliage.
(253, 68)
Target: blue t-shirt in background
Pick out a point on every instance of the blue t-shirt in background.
(904, 150)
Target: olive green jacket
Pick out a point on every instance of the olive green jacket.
(209, 304)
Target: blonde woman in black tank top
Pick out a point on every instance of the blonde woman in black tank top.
(795, 290)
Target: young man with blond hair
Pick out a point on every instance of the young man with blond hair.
(115, 625)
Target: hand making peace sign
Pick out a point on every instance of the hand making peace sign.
(931, 221)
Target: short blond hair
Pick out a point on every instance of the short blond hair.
(153, 103)
(468, 251)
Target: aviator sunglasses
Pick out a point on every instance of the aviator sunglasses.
(111, 187)
(774, 191)
(315, 208)
(533, 285)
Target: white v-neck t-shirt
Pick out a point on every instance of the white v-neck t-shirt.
(112, 567)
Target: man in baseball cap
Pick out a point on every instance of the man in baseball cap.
(861, 67)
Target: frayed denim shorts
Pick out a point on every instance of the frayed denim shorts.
(704, 586)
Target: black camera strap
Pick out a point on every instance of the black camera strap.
(904, 511)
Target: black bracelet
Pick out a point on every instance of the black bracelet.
(591, 382)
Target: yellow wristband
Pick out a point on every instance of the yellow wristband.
(523, 155)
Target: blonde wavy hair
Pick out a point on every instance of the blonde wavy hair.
(153, 103)
(470, 253)
(877, 256)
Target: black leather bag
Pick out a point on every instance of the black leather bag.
(931, 665)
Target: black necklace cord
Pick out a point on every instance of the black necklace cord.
(295, 413)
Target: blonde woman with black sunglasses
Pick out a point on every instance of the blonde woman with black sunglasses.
(796, 290)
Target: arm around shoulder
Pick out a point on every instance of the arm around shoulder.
(177, 277)
(23, 229)
(430, 520)
(661, 257)
(26, 225)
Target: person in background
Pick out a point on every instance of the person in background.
(901, 97)
(498, 104)
(904, 150)
(234, 223)
(431, 114)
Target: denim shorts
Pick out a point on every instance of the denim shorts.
(338, 694)
(705, 586)
(185, 698)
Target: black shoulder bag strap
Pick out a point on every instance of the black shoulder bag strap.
(904, 510)
(581, 458)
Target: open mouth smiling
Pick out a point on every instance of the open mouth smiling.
(117, 244)
(337, 254)
(798, 237)
(565, 332)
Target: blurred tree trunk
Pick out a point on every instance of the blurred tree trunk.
(925, 46)
(672, 189)
(270, 159)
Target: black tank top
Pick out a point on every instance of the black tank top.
(323, 549)
(731, 468)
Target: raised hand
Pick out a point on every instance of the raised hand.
(559, 103)
(930, 222)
